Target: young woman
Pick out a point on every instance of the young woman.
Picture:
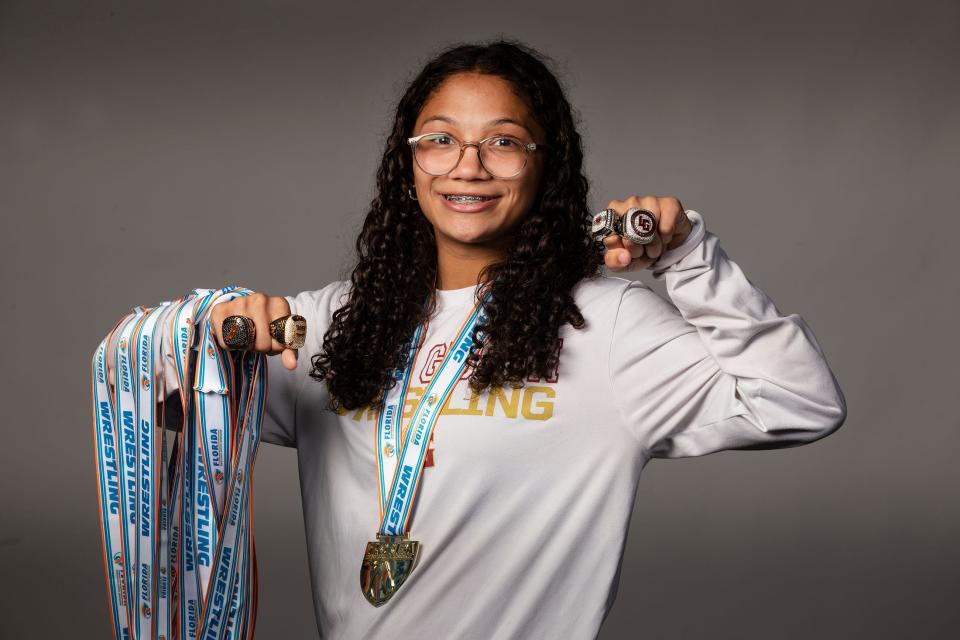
(476, 257)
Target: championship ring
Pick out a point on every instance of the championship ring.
(638, 225)
(387, 563)
(238, 332)
(290, 331)
(604, 223)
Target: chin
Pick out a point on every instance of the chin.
(472, 238)
(476, 229)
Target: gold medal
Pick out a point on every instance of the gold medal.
(387, 563)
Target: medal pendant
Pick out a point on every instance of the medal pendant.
(387, 563)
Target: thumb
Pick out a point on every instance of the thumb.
(289, 358)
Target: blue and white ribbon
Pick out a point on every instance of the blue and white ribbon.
(401, 468)
(176, 521)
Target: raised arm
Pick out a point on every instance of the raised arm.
(718, 366)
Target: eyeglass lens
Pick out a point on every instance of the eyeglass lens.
(502, 156)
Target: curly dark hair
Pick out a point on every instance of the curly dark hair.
(394, 277)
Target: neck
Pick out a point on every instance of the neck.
(459, 265)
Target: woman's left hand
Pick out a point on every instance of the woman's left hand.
(673, 227)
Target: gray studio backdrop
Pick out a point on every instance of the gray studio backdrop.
(149, 148)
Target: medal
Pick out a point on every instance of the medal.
(389, 561)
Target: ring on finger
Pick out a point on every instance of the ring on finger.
(238, 332)
(638, 225)
(604, 224)
(291, 331)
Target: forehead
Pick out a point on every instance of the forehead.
(472, 100)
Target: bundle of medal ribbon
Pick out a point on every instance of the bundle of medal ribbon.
(176, 529)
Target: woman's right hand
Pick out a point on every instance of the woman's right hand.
(262, 309)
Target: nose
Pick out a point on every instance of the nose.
(469, 167)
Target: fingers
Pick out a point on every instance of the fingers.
(621, 260)
(680, 226)
(259, 311)
(623, 255)
(671, 223)
(217, 315)
(289, 358)
(262, 310)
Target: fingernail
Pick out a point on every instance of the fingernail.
(624, 259)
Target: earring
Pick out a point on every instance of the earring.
(410, 193)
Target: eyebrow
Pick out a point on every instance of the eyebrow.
(492, 123)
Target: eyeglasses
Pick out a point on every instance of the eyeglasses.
(501, 156)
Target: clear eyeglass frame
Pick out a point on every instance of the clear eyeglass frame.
(527, 148)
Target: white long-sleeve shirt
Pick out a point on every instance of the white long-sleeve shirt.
(524, 506)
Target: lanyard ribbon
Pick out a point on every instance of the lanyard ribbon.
(401, 467)
(175, 521)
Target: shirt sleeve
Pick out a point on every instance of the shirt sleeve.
(718, 366)
(280, 410)
(283, 390)
(284, 387)
(672, 256)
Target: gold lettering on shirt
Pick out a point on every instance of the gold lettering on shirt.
(499, 396)
(530, 402)
(472, 407)
(538, 402)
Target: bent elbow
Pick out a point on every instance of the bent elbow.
(830, 416)
(803, 421)
(836, 417)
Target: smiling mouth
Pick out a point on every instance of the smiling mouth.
(468, 198)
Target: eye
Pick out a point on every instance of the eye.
(505, 142)
(440, 139)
